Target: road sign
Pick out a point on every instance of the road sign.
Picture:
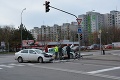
(79, 30)
(79, 21)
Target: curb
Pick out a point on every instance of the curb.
(103, 59)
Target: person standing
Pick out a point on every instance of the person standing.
(46, 48)
(56, 52)
(68, 49)
(60, 50)
(103, 48)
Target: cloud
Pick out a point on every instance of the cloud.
(35, 14)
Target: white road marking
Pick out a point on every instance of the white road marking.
(78, 72)
(20, 65)
(103, 70)
(12, 64)
(29, 64)
(1, 68)
(89, 64)
(16, 65)
(6, 66)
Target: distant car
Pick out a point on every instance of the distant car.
(94, 47)
(33, 55)
(83, 47)
(109, 46)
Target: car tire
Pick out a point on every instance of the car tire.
(40, 60)
(20, 60)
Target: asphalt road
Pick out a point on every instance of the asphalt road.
(59, 70)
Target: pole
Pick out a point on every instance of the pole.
(100, 42)
(21, 26)
(8, 47)
(63, 11)
(79, 45)
(76, 19)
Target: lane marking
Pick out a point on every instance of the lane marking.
(89, 64)
(78, 72)
(16, 65)
(29, 64)
(103, 70)
(6, 66)
(1, 68)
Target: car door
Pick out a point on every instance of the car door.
(24, 54)
(32, 55)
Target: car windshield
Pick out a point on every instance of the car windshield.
(39, 51)
(51, 50)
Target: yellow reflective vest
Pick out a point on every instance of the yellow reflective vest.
(56, 49)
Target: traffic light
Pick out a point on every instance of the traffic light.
(80, 36)
(47, 6)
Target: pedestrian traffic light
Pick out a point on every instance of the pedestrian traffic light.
(80, 36)
(47, 6)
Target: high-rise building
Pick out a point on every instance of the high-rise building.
(91, 23)
(108, 20)
(116, 17)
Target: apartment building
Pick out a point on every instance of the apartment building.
(108, 19)
(35, 32)
(116, 17)
(92, 22)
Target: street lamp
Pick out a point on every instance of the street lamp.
(107, 38)
(21, 14)
(21, 26)
(100, 41)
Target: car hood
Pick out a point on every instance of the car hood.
(49, 53)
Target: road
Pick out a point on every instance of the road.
(59, 70)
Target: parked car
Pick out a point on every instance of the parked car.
(94, 47)
(109, 46)
(83, 47)
(33, 55)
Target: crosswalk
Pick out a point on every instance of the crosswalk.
(12, 65)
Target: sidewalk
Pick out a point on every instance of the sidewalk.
(103, 57)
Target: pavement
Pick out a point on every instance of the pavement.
(107, 57)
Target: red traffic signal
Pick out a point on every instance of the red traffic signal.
(47, 6)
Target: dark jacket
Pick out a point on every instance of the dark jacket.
(60, 49)
(68, 49)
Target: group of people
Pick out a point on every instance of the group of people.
(59, 52)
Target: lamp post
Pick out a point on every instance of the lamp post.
(21, 26)
(107, 38)
(100, 41)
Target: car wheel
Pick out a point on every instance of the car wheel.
(20, 60)
(40, 60)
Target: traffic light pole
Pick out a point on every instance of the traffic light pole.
(63, 11)
(78, 26)
(79, 45)
(72, 15)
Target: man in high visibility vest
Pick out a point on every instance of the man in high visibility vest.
(56, 52)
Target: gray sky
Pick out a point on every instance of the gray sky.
(35, 15)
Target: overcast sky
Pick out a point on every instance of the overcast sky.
(35, 15)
